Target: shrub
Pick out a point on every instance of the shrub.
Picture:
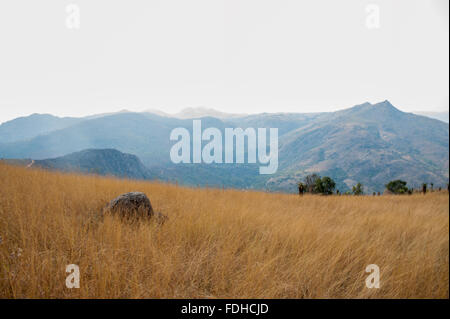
(324, 185)
(424, 188)
(310, 182)
(358, 189)
(397, 187)
(301, 188)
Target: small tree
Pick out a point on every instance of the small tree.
(318, 186)
(424, 188)
(301, 188)
(397, 187)
(325, 185)
(310, 182)
(358, 189)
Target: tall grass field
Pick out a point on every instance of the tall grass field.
(216, 243)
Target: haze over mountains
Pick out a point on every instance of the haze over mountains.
(368, 143)
(196, 112)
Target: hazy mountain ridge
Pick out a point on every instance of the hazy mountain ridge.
(368, 143)
(441, 116)
(99, 161)
(28, 127)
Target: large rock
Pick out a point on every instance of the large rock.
(129, 204)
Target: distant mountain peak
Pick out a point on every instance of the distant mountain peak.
(387, 106)
(368, 110)
(385, 103)
(201, 111)
(197, 112)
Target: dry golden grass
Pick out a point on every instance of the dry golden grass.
(216, 244)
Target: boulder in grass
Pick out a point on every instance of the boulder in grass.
(135, 204)
(131, 204)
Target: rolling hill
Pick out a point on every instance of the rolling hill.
(102, 162)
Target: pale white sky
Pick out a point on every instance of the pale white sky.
(240, 56)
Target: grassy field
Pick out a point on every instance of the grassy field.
(216, 243)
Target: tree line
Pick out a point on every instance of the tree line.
(315, 184)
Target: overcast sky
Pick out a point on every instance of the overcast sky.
(237, 56)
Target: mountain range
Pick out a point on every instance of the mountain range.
(367, 143)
